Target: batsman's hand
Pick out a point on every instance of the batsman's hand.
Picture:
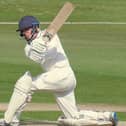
(37, 51)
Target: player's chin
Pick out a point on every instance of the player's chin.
(26, 38)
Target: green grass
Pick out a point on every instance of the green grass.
(98, 58)
(51, 115)
(96, 53)
(44, 115)
(86, 10)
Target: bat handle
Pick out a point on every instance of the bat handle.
(47, 36)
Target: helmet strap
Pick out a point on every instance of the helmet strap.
(34, 30)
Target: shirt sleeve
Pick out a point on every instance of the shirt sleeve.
(52, 48)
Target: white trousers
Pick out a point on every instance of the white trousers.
(61, 82)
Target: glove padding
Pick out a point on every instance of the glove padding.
(39, 47)
(38, 51)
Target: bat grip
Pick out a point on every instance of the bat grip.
(47, 36)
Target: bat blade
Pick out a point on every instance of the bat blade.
(59, 20)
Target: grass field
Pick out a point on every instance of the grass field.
(97, 53)
(86, 10)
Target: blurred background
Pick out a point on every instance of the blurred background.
(94, 40)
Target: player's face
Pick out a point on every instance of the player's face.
(27, 33)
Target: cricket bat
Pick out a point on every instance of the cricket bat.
(58, 21)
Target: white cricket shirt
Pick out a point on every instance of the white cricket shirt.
(53, 55)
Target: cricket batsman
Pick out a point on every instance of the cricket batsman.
(58, 78)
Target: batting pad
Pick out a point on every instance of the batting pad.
(19, 96)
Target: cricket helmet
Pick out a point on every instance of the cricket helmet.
(27, 22)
